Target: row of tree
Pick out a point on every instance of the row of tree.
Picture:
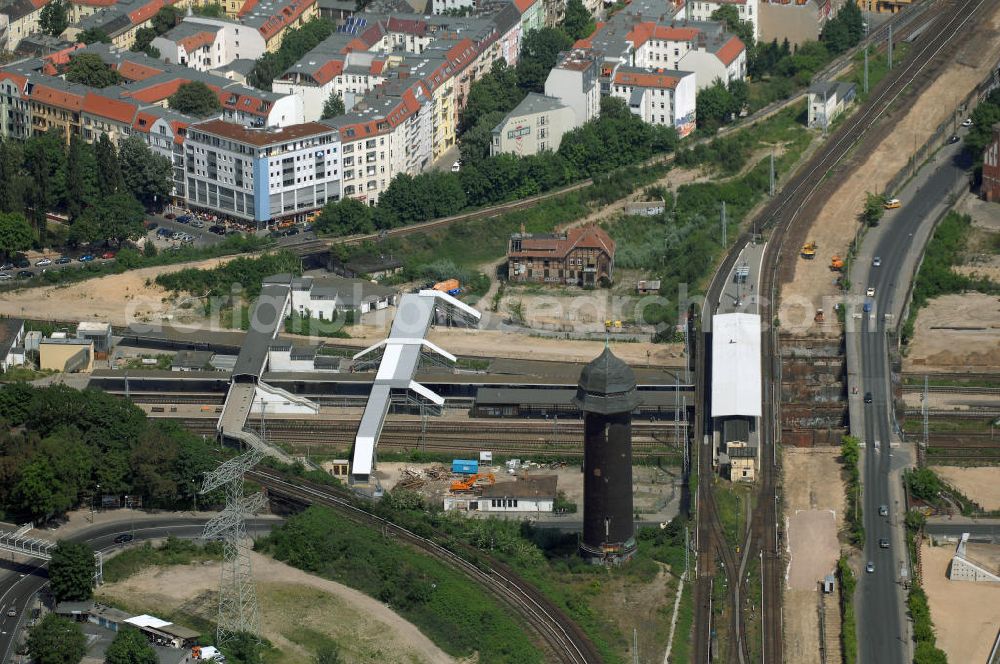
(617, 138)
(103, 190)
(58, 445)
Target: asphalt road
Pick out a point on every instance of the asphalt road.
(880, 627)
(19, 582)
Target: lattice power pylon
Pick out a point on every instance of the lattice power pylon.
(237, 593)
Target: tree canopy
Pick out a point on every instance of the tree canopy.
(93, 36)
(577, 21)
(845, 30)
(54, 18)
(89, 69)
(333, 106)
(345, 217)
(146, 174)
(56, 640)
(166, 18)
(130, 647)
(15, 233)
(728, 15)
(195, 98)
(71, 571)
(296, 43)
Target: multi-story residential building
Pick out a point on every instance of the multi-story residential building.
(55, 106)
(579, 257)
(659, 97)
(261, 174)
(273, 18)
(574, 81)
(15, 115)
(884, 6)
(797, 22)
(437, 75)
(18, 19)
(106, 115)
(715, 55)
(535, 125)
(702, 10)
(205, 43)
(120, 21)
(164, 131)
(532, 14)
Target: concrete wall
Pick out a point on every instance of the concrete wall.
(53, 357)
(797, 23)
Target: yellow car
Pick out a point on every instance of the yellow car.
(891, 204)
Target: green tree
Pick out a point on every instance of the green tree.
(577, 22)
(874, 209)
(88, 69)
(166, 18)
(495, 91)
(53, 18)
(715, 106)
(195, 98)
(539, 51)
(15, 233)
(34, 493)
(476, 142)
(348, 216)
(14, 182)
(149, 176)
(845, 30)
(244, 648)
(130, 647)
(93, 36)
(109, 169)
(143, 38)
(56, 640)
(333, 107)
(81, 175)
(44, 158)
(928, 653)
(296, 43)
(210, 10)
(71, 571)
(116, 218)
(728, 15)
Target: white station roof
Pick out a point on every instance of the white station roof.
(736, 382)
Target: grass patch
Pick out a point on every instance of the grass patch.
(174, 551)
(878, 67)
(848, 622)
(730, 504)
(850, 454)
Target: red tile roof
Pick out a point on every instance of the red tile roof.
(94, 3)
(329, 71)
(54, 60)
(643, 32)
(524, 5)
(143, 121)
(147, 11)
(112, 109)
(58, 98)
(197, 40)
(261, 137)
(587, 237)
(646, 80)
(133, 71)
(287, 15)
(156, 93)
(730, 50)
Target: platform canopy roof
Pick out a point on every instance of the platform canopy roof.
(736, 379)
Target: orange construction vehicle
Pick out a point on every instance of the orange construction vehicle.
(473, 481)
(836, 263)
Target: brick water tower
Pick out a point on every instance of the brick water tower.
(606, 395)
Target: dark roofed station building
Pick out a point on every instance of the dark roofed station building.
(606, 395)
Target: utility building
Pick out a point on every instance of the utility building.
(606, 395)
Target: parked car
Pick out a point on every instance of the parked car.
(868, 397)
(184, 219)
(4, 276)
(198, 223)
(42, 262)
(86, 258)
(165, 232)
(953, 139)
(217, 229)
(967, 122)
(63, 260)
(456, 167)
(22, 263)
(292, 231)
(7, 266)
(307, 228)
(108, 255)
(867, 306)
(25, 274)
(891, 204)
(151, 225)
(169, 215)
(124, 538)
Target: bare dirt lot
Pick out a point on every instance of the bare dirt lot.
(293, 604)
(814, 500)
(965, 614)
(118, 299)
(979, 484)
(956, 333)
(834, 227)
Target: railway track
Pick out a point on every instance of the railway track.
(780, 216)
(950, 389)
(563, 638)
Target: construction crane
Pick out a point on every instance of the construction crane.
(473, 481)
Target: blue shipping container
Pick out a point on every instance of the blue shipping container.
(465, 467)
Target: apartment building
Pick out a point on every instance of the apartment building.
(119, 21)
(106, 116)
(798, 21)
(273, 18)
(18, 19)
(991, 168)
(15, 114)
(535, 125)
(574, 81)
(261, 174)
(701, 10)
(660, 97)
(204, 44)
